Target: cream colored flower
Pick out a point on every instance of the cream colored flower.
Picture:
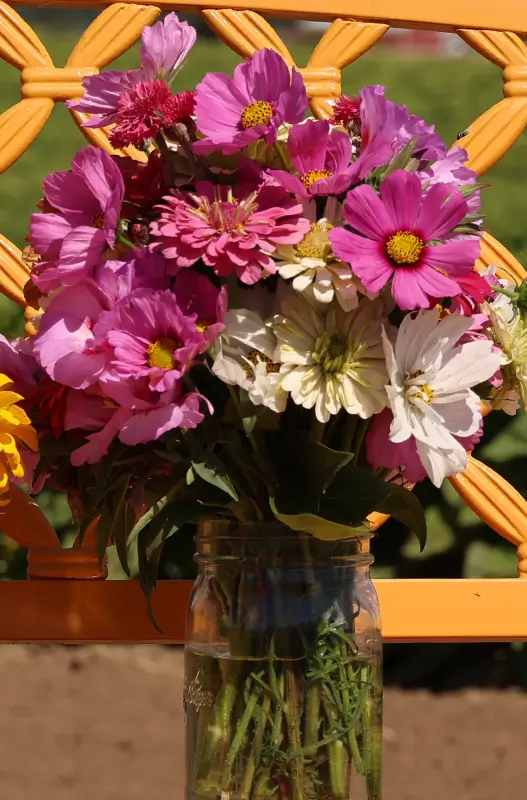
(313, 263)
(331, 359)
(509, 332)
(244, 358)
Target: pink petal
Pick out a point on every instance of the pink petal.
(435, 284)
(308, 144)
(364, 211)
(81, 250)
(100, 174)
(289, 182)
(455, 258)
(401, 194)
(406, 290)
(165, 46)
(443, 208)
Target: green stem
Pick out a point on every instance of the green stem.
(256, 749)
(239, 736)
(312, 716)
(347, 677)
(359, 439)
(338, 760)
(292, 713)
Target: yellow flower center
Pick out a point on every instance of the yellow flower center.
(259, 113)
(418, 391)
(98, 220)
(160, 354)
(202, 324)
(255, 357)
(404, 248)
(331, 352)
(315, 244)
(315, 175)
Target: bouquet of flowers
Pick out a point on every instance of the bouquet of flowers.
(269, 318)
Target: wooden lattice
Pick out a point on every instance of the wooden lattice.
(51, 608)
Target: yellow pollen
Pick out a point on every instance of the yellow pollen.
(404, 248)
(315, 175)
(98, 220)
(259, 113)
(315, 244)
(202, 324)
(160, 354)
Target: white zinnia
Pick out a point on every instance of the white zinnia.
(244, 358)
(312, 263)
(430, 391)
(330, 359)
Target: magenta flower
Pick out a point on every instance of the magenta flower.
(262, 94)
(132, 412)
(66, 346)
(400, 239)
(402, 456)
(229, 233)
(146, 110)
(452, 169)
(322, 157)
(87, 203)
(200, 299)
(165, 47)
(149, 336)
(397, 126)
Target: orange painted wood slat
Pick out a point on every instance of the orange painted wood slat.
(447, 15)
(115, 611)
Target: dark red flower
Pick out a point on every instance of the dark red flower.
(50, 399)
(346, 111)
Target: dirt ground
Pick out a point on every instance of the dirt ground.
(106, 723)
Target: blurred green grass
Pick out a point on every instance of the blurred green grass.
(451, 94)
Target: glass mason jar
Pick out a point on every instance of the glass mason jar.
(283, 687)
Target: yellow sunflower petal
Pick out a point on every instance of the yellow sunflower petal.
(5, 380)
(8, 398)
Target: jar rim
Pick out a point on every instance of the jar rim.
(216, 528)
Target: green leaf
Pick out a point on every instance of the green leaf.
(352, 496)
(311, 523)
(211, 470)
(151, 540)
(304, 470)
(153, 512)
(404, 506)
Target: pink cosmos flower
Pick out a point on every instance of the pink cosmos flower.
(87, 203)
(200, 299)
(165, 46)
(147, 335)
(135, 415)
(322, 157)
(452, 169)
(381, 116)
(403, 456)
(65, 345)
(17, 362)
(397, 231)
(229, 232)
(262, 94)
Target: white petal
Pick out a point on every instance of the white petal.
(462, 417)
(473, 363)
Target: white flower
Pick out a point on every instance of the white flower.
(312, 262)
(332, 359)
(244, 358)
(509, 331)
(430, 391)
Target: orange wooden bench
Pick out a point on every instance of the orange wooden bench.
(67, 598)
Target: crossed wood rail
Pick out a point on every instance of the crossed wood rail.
(68, 597)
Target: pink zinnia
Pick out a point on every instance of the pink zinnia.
(262, 94)
(87, 204)
(165, 47)
(402, 456)
(397, 231)
(229, 232)
(148, 335)
(321, 157)
(146, 110)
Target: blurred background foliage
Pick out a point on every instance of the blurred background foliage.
(449, 93)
